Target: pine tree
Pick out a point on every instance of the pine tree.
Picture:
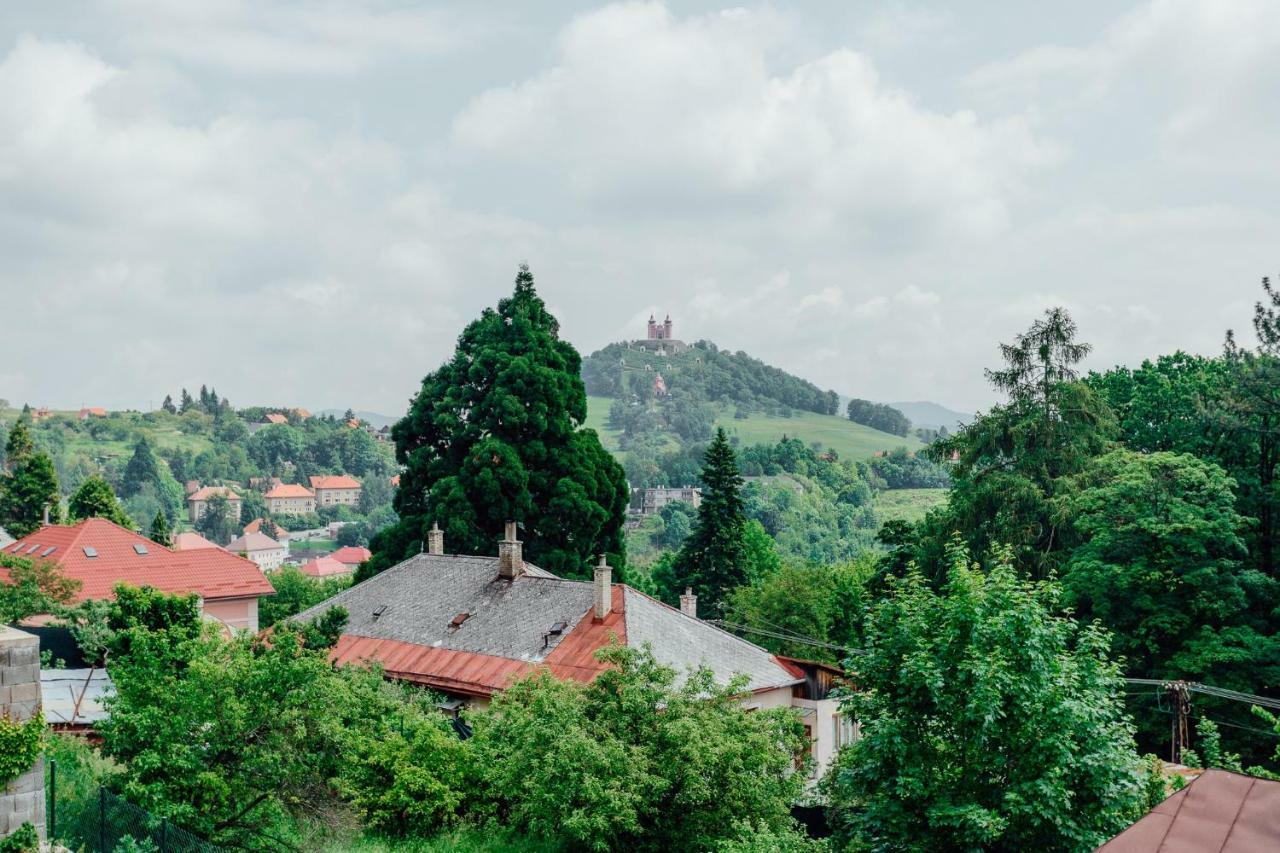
(160, 530)
(204, 398)
(94, 499)
(495, 435)
(187, 402)
(168, 406)
(142, 469)
(31, 486)
(19, 447)
(713, 560)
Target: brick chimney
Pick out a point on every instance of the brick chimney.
(435, 539)
(510, 558)
(603, 588)
(689, 603)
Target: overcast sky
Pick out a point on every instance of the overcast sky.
(303, 203)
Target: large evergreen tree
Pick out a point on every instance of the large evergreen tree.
(495, 434)
(713, 560)
(161, 532)
(168, 406)
(143, 468)
(25, 492)
(94, 499)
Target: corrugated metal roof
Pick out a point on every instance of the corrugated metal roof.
(1220, 812)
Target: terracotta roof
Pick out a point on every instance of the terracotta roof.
(1220, 812)
(406, 617)
(323, 567)
(96, 411)
(273, 418)
(190, 541)
(211, 572)
(207, 492)
(290, 490)
(395, 480)
(334, 481)
(252, 542)
(255, 526)
(351, 555)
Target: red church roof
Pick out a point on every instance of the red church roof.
(100, 554)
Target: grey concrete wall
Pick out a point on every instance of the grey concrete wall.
(22, 800)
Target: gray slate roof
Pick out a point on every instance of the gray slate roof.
(683, 642)
(419, 597)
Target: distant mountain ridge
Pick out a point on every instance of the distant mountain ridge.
(376, 420)
(923, 413)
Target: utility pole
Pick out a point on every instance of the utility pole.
(1180, 711)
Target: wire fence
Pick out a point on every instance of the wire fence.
(105, 822)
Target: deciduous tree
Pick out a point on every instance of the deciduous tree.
(94, 499)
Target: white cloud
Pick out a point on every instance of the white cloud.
(641, 103)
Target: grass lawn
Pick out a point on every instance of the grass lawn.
(312, 545)
(908, 504)
(850, 440)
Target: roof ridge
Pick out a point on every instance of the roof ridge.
(702, 622)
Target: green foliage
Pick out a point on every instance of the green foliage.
(34, 587)
(145, 613)
(295, 592)
(161, 533)
(901, 469)
(218, 523)
(20, 746)
(988, 722)
(494, 435)
(823, 603)
(22, 840)
(94, 499)
(30, 486)
(878, 416)
(713, 559)
(1155, 555)
(636, 760)
(228, 738)
(705, 373)
(143, 468)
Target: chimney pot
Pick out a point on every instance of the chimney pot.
(689, 603)
(510, 557)
(435, 539)
(603, 588)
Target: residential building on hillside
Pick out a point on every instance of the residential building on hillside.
(326, 567)
(467, 625)
(190, 541)
(41, 414)
(198, 502)
(275, 418)
(351, 555)
(290, 499)
(101, 554)
(255, 526)
(333, 490)
(264, 551)
(92, 412)
(652, 500)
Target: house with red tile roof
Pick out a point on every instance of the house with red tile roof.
(333, 490)
(101, 554)
(468, 625)
(326, 567)
(191, 541)
(275, 418)
(290, 499)
(198, 502)
(255, 526)
(266, 552)
(351, 555)
(92, 412)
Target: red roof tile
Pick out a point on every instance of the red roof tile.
(211, 572)
(290, 490)
(255, 526)
(212, 491)
(273, 418)
(334, 481)
(352, 555)
(470, 673)
(190, 541)
(323, 567)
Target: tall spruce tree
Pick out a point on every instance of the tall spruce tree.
(26, 491)
(495, 434)
(142, 469)
(187, 402)
(168, 405)
(19, 446)
(161, 533)
(713, 560)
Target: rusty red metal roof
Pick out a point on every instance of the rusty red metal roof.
(1220, 812)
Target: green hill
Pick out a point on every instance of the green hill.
(849, 440)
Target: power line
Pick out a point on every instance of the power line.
(1208, 690)
(792, 638)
